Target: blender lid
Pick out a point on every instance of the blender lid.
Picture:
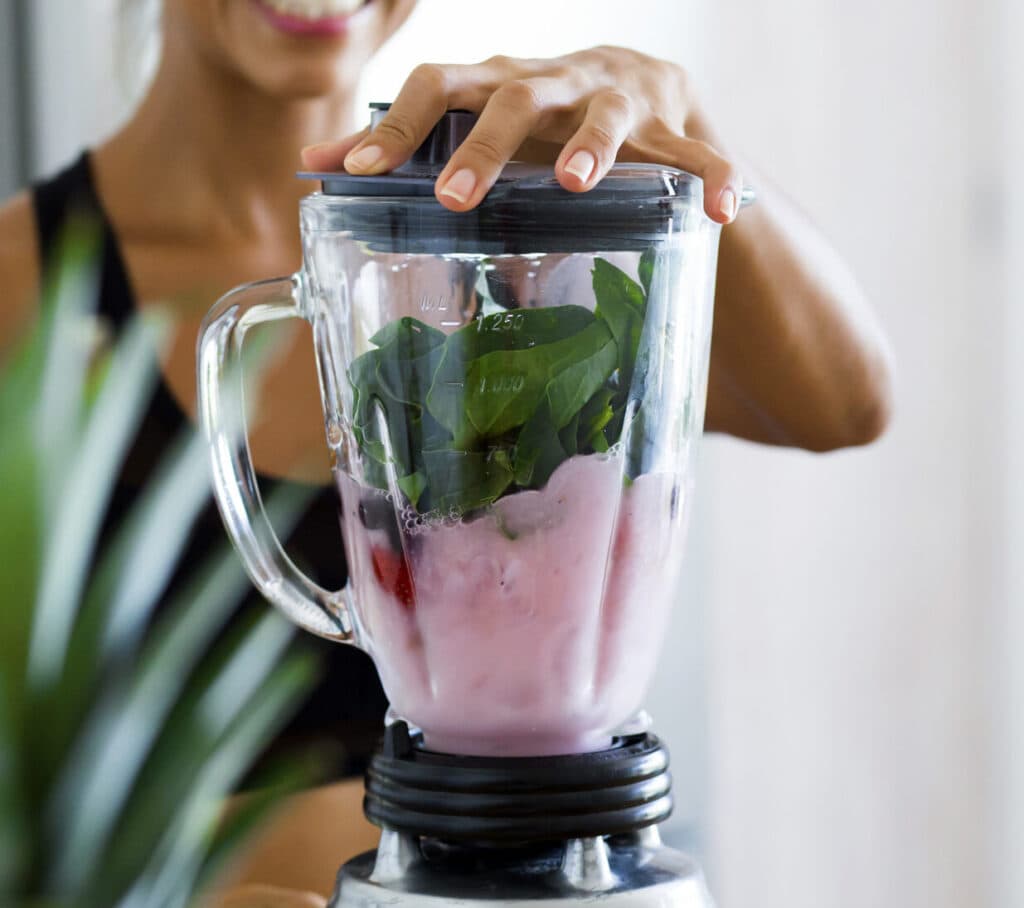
(624, 182)
(634, 207)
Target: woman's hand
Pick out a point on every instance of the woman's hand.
(583, 111)
(797, 357)
(264, 897)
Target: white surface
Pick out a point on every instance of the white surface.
(1007, 71)
(851, 593)
(855, 604)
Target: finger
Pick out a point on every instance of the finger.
(723, 184)
(508, 119)
(422, 101)
(591, 151)
(331, 155)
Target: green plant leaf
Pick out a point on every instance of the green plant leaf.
(87, 722)
(153, 540)
(14, 838)
(227, 685)
(126, 587)
(70, 290)
(92, 470)
(176, 859)
(21, 541)
(88, 799)
(247, 815)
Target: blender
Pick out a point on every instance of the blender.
(512, 401)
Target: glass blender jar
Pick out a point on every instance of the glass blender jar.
(512, 400)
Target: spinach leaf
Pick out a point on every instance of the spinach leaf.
(620, 303)
(571, 388)
(568, 436)
(392, 381)
(503, 388)
(465, 480)
(407, 338)
(499, 404)
(412, 486)
(520, 330)
(539, 450)
(595, 415)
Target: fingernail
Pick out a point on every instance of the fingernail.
(581, 165)
(460, 185)
(364, 158)
(727, 204)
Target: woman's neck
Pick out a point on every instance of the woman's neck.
(213, 156)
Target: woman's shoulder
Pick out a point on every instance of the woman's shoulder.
(19, 268)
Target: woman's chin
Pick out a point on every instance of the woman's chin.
(300, 83)
(291, 53)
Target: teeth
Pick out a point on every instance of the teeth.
(315, 9)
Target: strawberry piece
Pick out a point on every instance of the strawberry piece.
(392, 574)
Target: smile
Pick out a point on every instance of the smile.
(310, 17)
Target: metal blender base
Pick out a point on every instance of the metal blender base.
(630, 871)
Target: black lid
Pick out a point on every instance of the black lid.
(526, 210)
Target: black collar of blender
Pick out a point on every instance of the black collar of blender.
(517, 800)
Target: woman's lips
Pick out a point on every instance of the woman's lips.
(310, 17)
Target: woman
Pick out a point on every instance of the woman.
(197, 194)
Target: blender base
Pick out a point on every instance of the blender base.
(630, 871)
(573, 829)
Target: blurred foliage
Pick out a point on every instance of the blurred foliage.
(122, 730)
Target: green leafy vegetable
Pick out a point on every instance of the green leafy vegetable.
(465, 480)
(502, 332)
(539, 451)
(412, 486)
(621, 303)
(595, 415)
(498, 405)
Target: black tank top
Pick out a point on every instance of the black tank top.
(343, 717)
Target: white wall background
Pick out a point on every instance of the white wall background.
(1007, 71)
(840, 687)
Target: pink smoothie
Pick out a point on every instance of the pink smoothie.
(532, 629)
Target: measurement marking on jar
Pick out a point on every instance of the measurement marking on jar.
(434, 304)
(447, 324)
(500, 321)
(502, 384)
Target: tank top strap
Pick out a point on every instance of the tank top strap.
(73, 190)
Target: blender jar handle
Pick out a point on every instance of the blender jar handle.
(221, 413)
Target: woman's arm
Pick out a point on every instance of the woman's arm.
(797, 356)
(797, 359)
